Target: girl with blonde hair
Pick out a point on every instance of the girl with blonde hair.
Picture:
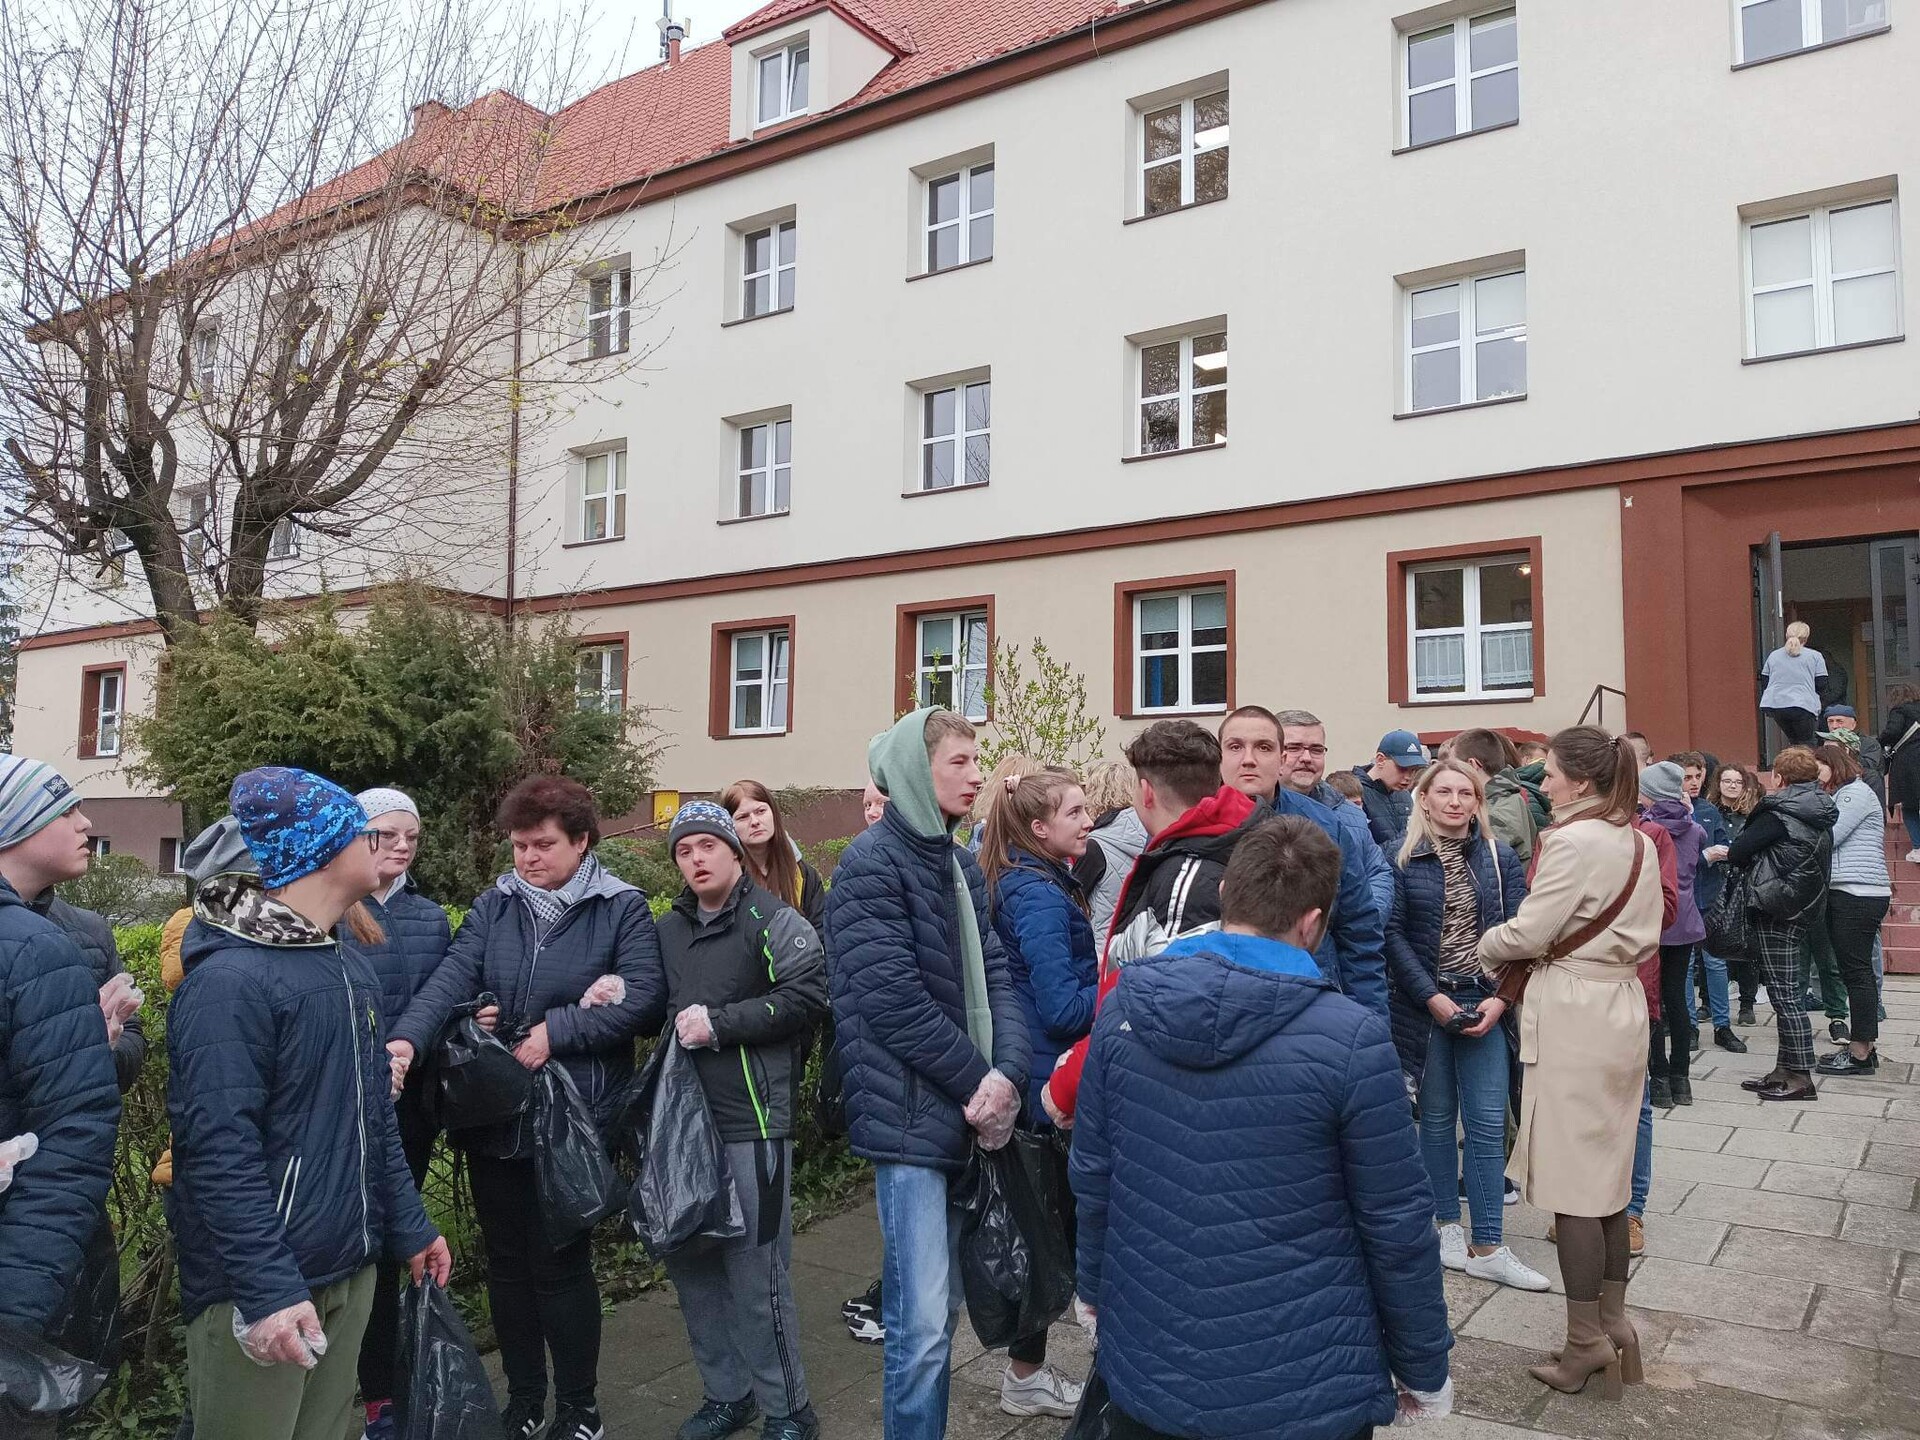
(1795, 686)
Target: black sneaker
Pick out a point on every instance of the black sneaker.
(1844, 1062)
(862, 1314)
(718, 1418)
(1838, 1032)
(1745, 1017)
(523, 1419)
(1727, 1040)
(801, 1425)
(575, 1422)
(1682, 1088)
(1662, 1093)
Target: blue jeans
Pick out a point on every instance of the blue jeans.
(1466, 1079)
(1643, 1154)
(920, 1297)
(1716, 970)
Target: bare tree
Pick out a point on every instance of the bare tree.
(273, 298)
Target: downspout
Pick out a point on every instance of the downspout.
(513, 435)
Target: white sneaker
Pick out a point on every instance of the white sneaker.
(1045, 1392)
(1913, 857)
(1453, 1246)
(1503, 1267)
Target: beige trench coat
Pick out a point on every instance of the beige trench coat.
(1583, 1025)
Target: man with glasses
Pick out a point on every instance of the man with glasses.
(1303, 770)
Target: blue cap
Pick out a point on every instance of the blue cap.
(1844, 712)
(1403, 747)
(294, 822)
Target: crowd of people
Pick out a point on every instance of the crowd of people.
(1291, 1039)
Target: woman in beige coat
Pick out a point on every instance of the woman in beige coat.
(1591, 915)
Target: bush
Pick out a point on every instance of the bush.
(124, 890)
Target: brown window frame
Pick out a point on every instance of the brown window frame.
(1124, 594)
(1399, 652)
(89, 747)
(906, 657)
(720, 676)
(605, 640)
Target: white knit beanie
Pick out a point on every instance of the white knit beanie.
(380, 802)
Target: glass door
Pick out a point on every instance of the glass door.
(1896, 606)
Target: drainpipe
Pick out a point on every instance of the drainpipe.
(513, 435)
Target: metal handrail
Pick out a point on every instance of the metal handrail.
(1597, 706)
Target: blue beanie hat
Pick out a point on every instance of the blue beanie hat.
(703, 817)
(294, 822)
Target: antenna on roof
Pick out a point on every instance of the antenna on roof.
(672, 32)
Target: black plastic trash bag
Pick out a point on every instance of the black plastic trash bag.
(1730, 920)
(684, 1190)
(1094, 1419)
(440, 1391)
(1016, 1266)
(38, 1379)
(477, 1080)
(572, 1172)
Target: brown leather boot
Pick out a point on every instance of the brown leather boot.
(1613, 1319)
(1588, 1352)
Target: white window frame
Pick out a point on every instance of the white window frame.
(1467, 340)
(1470, 631)
(1812, 29)
(206, 351)
(776, 271)
(283, 542)
(958, 437)
(610, 325)
(775, 680)
(775, 478)
(785, 57)
(1186, 394)
(110, 698)
(1462, 77)
(610, 694)
(98, 845)
(959, 666)
(1184, 648)
(171, 853)
(1191, 148)
(611, 497)
(1823, 277)
(199, 539)
(964, 219)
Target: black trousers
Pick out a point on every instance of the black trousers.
(377, 1346)
(1125, 1427)
(545, 1301)
(1853, 923)
(1673, 1032)
(1746, 975)
(1799, 726)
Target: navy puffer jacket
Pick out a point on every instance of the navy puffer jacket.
(287, 1168)
(1413, 932)
(1255, 1224)
(893, 942)
(609, 931)
(94, 935)
(417, 937)
(57, 1080)
(1050, 955)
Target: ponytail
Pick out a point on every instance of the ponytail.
(1797, 636)
(1015, 802)
(1606, 762)
(361, 924)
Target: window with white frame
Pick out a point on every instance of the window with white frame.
(1183, 393)
(1180, 651)
(768, 259)
(783, 84)
(198, 536)
(951, 670)
(1471, 624)
(609, 312)
(603, 495)
(283, 543)
(956, 435)
(113, 559)
(1780, 27)
(1461, 76)
(759, 682)
(170, 855)
(601, 677)
(206, 356)
(1183, 153)
(1829, 276)
(960, 217)
(1467, 341)
(766, 469)
(109, 696)
(98, 845)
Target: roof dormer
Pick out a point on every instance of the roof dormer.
(796, 58)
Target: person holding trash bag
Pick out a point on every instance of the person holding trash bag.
(416, 936)
(1290, 1300)
(289, 1184)
(932, 1040)
(745, 975)
(57, 1072)
(573, 956)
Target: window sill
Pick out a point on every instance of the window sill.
(943, 490)
(1436, 700)
(1202, 710)
(1455, 409)
(1810, 49)
(749, 319)
(748, 520)
(1449, 139)
(1169, 454)
(752, 734)
(1176, 210)
(593, 359)
(1823, 350)
(583, 544)
(950, 269)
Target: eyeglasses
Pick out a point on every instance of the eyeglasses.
(1314, 750)
(378, 840)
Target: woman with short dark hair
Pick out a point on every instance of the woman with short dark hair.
(548, 939)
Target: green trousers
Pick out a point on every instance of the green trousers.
(1816, 955)
(235, 1399)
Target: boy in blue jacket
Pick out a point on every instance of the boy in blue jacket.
(1229, 1085)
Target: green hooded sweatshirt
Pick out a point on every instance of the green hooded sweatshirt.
(897, 759)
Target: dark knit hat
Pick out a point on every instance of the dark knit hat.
(703, 817)
(294, 822)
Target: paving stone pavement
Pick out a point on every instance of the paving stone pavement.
(1779, 1298)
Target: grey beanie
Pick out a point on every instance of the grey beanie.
(703, 817)
(1663, 781)
(218, 850)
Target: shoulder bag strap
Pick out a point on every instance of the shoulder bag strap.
(1514, 978)
(1912, 730)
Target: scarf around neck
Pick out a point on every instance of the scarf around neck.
(547, 906)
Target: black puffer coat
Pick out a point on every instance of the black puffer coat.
(1788, 843)
(1903, 765)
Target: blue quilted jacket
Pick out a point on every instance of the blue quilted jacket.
(417, 938)
(899, 1017)
(1413, 933)
(57, 1080)
(1051, 957)
(1351, 954)
(1256, 1228)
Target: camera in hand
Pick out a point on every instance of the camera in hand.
(1461, 1021)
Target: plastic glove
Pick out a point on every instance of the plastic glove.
(1088, 1319)
(607, 990)
(287, 1337)
(1418, 1405)
(993, 1109)
(12, 1152)
(120, 1001)
(694, 1027)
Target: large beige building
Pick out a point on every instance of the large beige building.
(1563, 356)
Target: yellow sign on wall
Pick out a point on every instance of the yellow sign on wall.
(665, 804)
